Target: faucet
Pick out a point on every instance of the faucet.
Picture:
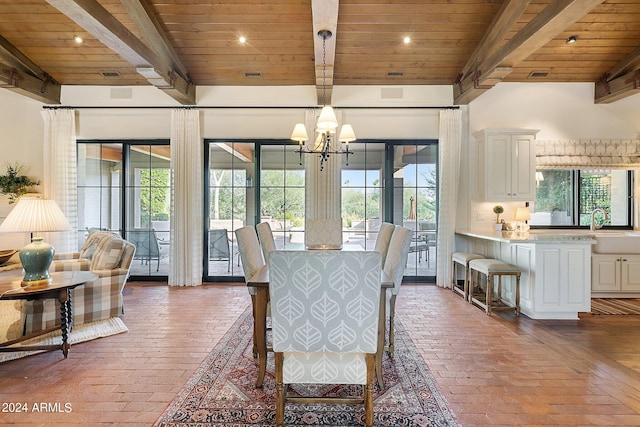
(594, 227)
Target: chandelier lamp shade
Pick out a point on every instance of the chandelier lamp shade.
(325, 143)
(35, 215)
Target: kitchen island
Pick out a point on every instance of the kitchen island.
(556, 268)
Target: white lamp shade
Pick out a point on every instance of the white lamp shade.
(347, 134)
(522, 214)
(327, 120)
(32, 215)
(299, 133)
(539, 176)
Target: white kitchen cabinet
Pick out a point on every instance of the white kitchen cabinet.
(556, 275)
(507, 164)
(615, 274)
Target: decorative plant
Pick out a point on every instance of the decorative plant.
(14, 183)
(498, 210)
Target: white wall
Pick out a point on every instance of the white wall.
(559, 110)
(20, 142)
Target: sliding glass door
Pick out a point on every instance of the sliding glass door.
(414, 204)
(230, 205)
(148, 207)
(125, 187)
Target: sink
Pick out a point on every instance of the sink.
(622, 242)
(607, 241)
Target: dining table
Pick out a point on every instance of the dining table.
(260, 281)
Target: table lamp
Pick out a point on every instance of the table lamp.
(34, 215)
(522, 216)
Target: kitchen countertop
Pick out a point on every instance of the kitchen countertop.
(529, 237)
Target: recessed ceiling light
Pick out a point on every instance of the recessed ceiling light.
(572, 39)
(406, 40)
(242, 39)
(77, 39)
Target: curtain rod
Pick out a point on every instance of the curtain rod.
(245, 107)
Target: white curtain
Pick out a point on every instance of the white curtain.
(449, 142)
(60, 172)
(323, 187)
(185, 255)
(588, 153)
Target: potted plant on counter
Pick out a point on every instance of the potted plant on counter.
(498, 210)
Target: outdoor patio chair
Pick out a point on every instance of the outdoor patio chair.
(147, 246)
(220, 247)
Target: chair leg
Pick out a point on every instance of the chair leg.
(368, 392)
(253, 308)
(392, 316)
(280, 397)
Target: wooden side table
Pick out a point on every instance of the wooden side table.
(59, 288)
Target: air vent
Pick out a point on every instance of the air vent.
(538, 74)
(110, 74)
(253, 75)
(395, 74)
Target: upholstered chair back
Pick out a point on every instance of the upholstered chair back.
(267, 242)
(93, 239)
(324, 302)
(397, 256)
(323, 232)
(383, 239)
(250, 252)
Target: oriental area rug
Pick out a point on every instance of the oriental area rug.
(222, 391)
(615, 306)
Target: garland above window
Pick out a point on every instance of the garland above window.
(588, 153)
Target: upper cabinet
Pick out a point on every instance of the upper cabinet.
(506, 164)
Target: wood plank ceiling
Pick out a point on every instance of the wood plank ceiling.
(177, 45)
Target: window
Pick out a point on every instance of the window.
(363, 194)
(230, 198)
(415, 203)
(567, 197)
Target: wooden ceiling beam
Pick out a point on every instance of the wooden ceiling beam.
(20, 74)
(154, 34)
(325, 17)
(509, 13)
(96, 20)
(608, 91)
(553, 20)
(18, 81)
(620, 81)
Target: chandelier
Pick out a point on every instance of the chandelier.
(325, 142)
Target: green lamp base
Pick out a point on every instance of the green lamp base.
(36, 259)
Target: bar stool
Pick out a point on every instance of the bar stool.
(462, 258)
(491, 268)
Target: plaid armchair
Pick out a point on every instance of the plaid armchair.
(110, 260)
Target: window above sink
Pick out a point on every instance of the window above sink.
(566, 198)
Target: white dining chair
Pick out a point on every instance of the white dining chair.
(267, 242)
(252, 261)
(394, 267)
(323, 233)
(325, 322)
(383, 239)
